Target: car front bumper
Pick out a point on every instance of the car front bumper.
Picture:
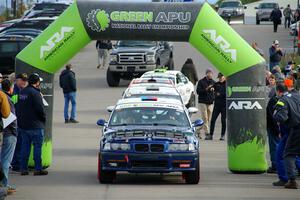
(132, 68)
(149, 163)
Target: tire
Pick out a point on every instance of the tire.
(158, 64)
(192, 177)
(170, 64)
(105, 176)
(113, 79)
(192, 101)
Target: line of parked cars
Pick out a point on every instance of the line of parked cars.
(150, 131)
(16, 34)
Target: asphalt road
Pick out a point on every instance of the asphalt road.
(72, 176)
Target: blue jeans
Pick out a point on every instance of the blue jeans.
(281, 170)
(16, 162)
(29, 137)
(7, 153)
(70, 97)
(273, 142)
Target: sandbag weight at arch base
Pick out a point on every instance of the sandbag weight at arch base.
(199, 24)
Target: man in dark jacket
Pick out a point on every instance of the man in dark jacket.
(9, 138)
(189, 70)
(273, 133)
(31, 124)
(276, 16)
(205, 91)
(288, 112)
(67, 82)
(219, 107)
(275, 54)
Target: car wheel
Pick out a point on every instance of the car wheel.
(158, 64)
(113, 79)
(192, 177)
(192, 101)
(170, 64)
(105, 176)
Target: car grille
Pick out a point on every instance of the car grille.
(150, 164)
(157, 148)
(154, 148)
(131, 58)
(142, 147)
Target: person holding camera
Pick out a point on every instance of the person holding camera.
(275, 54)
(206, 97)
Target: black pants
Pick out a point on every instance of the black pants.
(287, 22)
(275, 26)
(217, 110)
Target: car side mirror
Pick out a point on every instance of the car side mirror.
(255, 8)
(101, 122)
(192, 110)
(198, 123)
(217, 7)
(110, 108)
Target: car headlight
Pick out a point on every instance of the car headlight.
(117, 146)
(106, 146)
(181, 147)
(113, 58)
(150, 58)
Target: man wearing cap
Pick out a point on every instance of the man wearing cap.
(219, 107)
(21, 83)
(205, 91)
(67, 82)
(275, 54)
(31, 123)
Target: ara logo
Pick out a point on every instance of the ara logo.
(245, 105)
(55, 39)
(222, 43)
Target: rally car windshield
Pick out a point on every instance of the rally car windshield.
(177, 97)
(158, 76)
(152, 116)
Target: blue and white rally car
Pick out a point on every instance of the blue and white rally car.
(149, 135)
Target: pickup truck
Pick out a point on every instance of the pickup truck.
(131, 59)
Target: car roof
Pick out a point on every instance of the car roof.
(150, 102)
(150, 89)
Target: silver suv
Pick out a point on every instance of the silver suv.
(264, 10)
(231, 9)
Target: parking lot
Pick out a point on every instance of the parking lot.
(73, 174)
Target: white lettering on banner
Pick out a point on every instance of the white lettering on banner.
(56, 38)
(222, 43)
(245, 105)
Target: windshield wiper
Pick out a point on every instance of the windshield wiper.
(158, 124)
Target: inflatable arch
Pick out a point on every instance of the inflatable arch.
(196, 23)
